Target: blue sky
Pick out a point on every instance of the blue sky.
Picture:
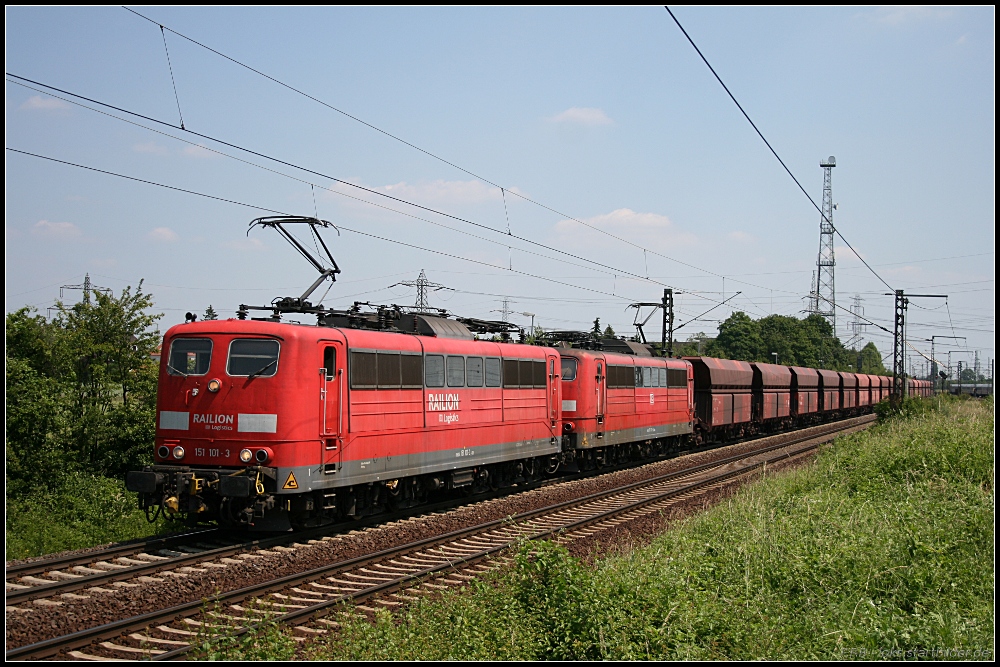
(605, 115)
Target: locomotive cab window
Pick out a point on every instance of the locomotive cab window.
(253, 357)
(434, 370)
(189, 356)
(330, 362)
(569, 366)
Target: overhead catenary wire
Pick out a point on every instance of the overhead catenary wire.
(172, 80)
(345, 228)
(616, 270)
(304, 181)
(431, 154)
(771, 148)
(313, 185)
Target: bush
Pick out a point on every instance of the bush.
(85, 510)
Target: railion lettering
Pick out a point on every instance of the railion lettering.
(213, 419)
(442, 402)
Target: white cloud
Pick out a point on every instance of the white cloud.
(59, 231)
(198, 152)
(898, 15)
(163, 235)
(152, 148)
(583, 116)
(741, 237)
(39, 103)
(650, 229)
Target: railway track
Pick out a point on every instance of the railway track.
(392, 577)
(62, 577)
(65, 578)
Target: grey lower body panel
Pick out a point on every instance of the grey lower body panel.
(590, 440)
(309, 478)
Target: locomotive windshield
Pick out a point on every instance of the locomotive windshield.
(568, 369)
(253, 357)
(189, 356)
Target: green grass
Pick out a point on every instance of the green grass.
(86, 510)
(883, 546)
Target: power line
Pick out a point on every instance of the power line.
(616, 270)
(434, 155)
(301, 180)
(348, 229)
(771, 148)
(306, 182)
(142, 180)
(172, 81)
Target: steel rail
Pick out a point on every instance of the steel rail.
(54, 646)
(155, 543)
(125, 573)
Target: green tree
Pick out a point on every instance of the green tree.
(35, 434)
(81, 390)
(694, 346)
(871, 360)
(739, 338)
(804, 342)
(609, 332)
(597, 327)
(114, 382)
(210, 313)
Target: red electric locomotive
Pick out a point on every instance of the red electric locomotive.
(612, 402)
(280, 425)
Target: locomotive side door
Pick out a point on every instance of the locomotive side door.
(602, 392)
(554, 386)
(331, 397)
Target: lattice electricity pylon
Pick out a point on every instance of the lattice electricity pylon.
(505, 311)
(857, 325)
(423, 287)
(824, 294)
(87, 287)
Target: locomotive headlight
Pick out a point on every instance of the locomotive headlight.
(178, 452)
(214, 386)
(246, 455)
(163, 451)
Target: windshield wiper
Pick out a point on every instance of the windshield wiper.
(179, 372)
(258, 372)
